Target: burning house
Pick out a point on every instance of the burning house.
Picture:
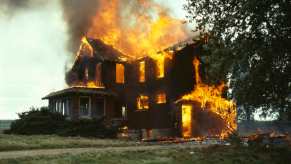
(128, 74)
(155, 96)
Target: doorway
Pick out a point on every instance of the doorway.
(186, 121)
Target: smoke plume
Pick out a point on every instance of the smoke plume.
(11, 7)
(78, 16)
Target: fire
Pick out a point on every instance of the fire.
(138, 28)
(161, 98)
(142, 102)
(187, 121)
(160, 62)
(211, 98)
(119, 73)
(142, 71)
(85, 48)
(89, 84)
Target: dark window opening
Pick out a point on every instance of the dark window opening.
(84, 106)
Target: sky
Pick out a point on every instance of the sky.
(33, 55)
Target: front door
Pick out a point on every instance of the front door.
(186, 121)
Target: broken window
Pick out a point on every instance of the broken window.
(142, 102)
(161, 98)
(84, 106)
(160, 69)
(119, 73)
(142, 71)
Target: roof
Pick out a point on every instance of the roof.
(107, 52)
(96, 91)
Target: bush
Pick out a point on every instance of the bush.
(88, 128)
(43, 121)
(37, 121)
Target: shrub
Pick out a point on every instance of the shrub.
(37, 121)
(88, 128)
(43, 121)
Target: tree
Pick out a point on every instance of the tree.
(250, 41)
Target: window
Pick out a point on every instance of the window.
(119, 73)
(124, 112)
(142, 71)
(66, 107)
(59, 106)
(160, 69)
(161, 98)
(86, 74)
(142, 102)
(85, 106)
(98, 75)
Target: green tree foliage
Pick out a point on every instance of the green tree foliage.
(251, 41)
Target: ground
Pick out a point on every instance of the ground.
(127, 152)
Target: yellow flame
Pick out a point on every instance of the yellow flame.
(89, 84)
(142, 102)
(187, 121)
(140, 28)
(211, 98)
(119, 73)
(142, 71)
(161, 98)
(85, 48)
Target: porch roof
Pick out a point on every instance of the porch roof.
(82, 90)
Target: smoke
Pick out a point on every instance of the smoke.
(10, 8)
(134, 27)
(121, 23)
(78, 15)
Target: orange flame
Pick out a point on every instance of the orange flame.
(139, 28)
(211, 98)
(85, 48)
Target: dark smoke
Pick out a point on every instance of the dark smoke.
(12, 7)
(78, 15)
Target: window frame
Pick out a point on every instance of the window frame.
(142, 72)
(165, 98)
(121, 67)
(89, 107)
(140, 106)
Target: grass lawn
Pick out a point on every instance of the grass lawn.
(213, 154)
(22, 142)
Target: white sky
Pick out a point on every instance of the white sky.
(33, 56)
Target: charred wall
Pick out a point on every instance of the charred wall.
(177, 81)
(181, 77)
(158, 115)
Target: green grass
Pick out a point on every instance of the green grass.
(213, 154)
(23, 142)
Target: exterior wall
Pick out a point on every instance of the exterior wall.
(158, 116)
(178, 80)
